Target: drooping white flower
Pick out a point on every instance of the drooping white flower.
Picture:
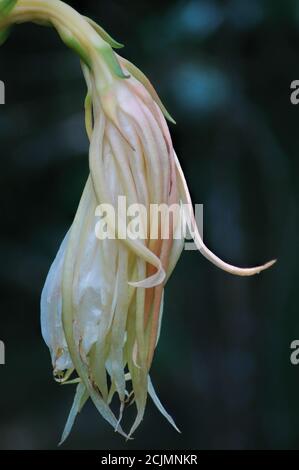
(102, 302)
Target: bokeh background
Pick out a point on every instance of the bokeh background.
(222, 367)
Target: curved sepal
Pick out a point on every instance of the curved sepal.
(136, 73)
(111, 60)
(71, 42)
(104, 35)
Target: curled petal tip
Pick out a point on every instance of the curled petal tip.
(151, 281)
(229, 268)
(268, 265)
(252, 271)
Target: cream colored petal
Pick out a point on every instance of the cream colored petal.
(199, 242)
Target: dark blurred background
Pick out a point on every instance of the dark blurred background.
(222, 368)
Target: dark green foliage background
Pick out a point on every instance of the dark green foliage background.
(222, 367)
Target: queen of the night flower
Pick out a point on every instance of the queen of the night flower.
(102, 303)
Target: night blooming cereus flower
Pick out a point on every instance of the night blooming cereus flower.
(102, 302)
